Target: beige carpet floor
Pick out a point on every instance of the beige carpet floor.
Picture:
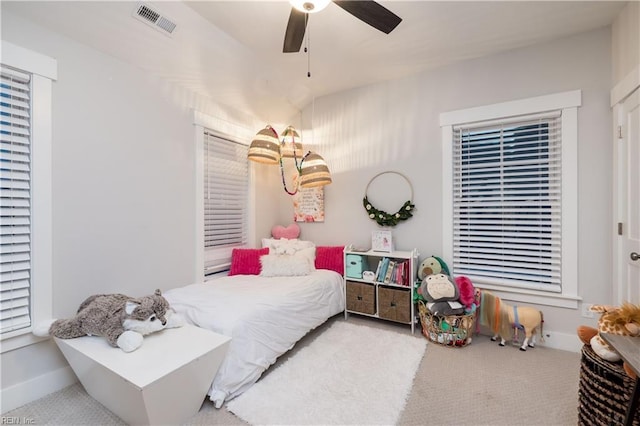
(481, 384)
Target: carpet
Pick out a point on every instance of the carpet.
(350, 374)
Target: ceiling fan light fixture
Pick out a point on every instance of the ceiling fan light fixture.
(309, 6)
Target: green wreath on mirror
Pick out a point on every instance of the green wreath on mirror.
(388, 219)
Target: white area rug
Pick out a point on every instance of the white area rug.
(350, 374)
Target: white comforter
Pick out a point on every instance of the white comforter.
(264, 317)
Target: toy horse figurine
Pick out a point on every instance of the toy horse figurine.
(503, 319)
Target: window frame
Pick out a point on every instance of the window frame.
(235, 133)
(44, 72)
(567, 103)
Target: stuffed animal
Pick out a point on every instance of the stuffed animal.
(623, 320)
(505, 320)
(429, 266)
(441, 295)
(467, 293)
(121, 319)
(432, 265)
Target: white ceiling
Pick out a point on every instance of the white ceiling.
(231, 51)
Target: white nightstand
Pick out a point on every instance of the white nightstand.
(163, 382)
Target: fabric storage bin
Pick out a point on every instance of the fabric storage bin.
(355, 265)
(604, 391)
(361, 297)
(394, 304)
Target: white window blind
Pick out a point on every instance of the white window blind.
(226, 176)
(15, 200)
(507, 202)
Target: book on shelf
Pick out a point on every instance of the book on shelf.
(393, 271)
(378, 269)
(404, 276)
(399, 273)
(389, 274)
(384, 265)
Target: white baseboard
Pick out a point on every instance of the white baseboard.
(22, 393)
(562, 341)
(554, 340)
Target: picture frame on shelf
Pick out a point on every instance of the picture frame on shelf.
(382, 241)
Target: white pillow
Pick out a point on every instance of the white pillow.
(284, 246)
(310, 254)
(285, 265)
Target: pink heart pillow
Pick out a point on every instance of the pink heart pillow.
(290, 232)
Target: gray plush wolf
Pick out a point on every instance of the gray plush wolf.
(121, 319)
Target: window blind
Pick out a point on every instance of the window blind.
(15, 200)
(226, 175)
(507, 202)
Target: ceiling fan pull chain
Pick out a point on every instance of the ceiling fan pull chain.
(307, 50)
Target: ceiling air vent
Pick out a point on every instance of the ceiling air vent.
(148, 15)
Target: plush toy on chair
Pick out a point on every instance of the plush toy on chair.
(624, 321)
(121, 319)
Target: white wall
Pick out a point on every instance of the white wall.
(123, 188)
(626, 41)
(395, 126)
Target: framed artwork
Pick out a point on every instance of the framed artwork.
(381, 241)
(308, 205)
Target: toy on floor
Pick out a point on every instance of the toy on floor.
(503, 319)
(624, 321)
(121, 319)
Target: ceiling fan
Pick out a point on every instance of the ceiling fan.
(367, 11)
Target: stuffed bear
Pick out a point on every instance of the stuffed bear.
(441, 295)
(624, 321)
(121, 319)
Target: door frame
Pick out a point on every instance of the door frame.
(618, 95)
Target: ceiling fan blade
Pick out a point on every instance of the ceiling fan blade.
(294, 35)
(374, 14)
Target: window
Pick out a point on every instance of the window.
(225, 212)
(225, 200)
(512, 213)
(25, 193)
(15, 184)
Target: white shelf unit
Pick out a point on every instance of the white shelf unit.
(388, 301)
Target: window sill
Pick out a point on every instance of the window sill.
(19, 340)
(534, 297)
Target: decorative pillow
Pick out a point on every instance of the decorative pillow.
(284, 246)
(285, 265)
(246, 261)
(310, 254)
(290, 232)
(331, 258)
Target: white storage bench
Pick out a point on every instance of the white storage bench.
(164, 381)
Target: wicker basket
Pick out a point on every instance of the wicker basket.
(361, 297)
(395, 304)
(451, 331)
(603, 392)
